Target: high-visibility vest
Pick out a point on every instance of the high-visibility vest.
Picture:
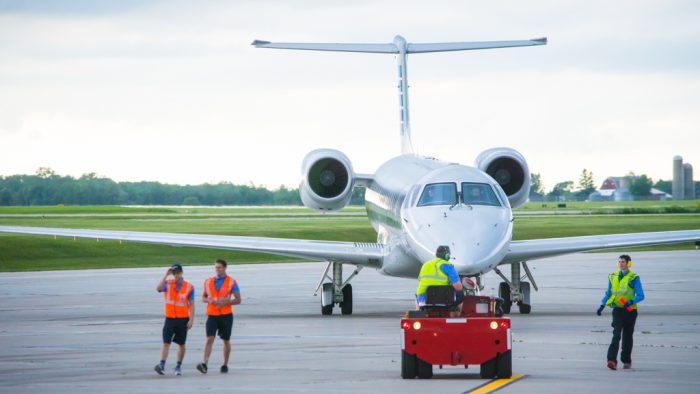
(224, 293)
(431, 275)
(621, 288)
(177, 302)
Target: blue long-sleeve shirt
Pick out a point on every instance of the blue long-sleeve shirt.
(635, 283)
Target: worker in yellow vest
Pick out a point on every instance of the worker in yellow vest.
(438, 272)
(217, 294)
(179, 315)
(623, 294)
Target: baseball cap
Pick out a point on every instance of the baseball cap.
(176, 267)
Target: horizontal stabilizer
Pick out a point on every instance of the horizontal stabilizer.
(366, 48)
(466, 46)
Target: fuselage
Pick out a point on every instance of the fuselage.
(416, 204)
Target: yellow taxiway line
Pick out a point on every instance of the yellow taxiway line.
(494, 385)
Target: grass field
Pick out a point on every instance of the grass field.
(29, 253)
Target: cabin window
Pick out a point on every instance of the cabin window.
(479, 194)
(438, 194)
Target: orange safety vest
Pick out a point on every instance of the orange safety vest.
(224, 293)
(176, 302)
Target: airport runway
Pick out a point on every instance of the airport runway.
(100, 330)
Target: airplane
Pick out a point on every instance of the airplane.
(414, 203)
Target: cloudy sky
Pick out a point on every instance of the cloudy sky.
(172, 91)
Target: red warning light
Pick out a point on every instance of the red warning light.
(406, 325)
(505, 324)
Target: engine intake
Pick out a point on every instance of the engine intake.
(509, 168)
(327, 180)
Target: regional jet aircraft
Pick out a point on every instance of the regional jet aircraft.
(414, 203)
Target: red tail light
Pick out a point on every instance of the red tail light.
(505, 324)
(405, 325)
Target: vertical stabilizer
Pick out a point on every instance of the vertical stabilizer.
(401, 49)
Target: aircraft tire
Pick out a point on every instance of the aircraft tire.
(346, 305)
(327, 310)
(524, 308)
(504, 292)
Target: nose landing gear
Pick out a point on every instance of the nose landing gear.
(516, 291)
(336, 292)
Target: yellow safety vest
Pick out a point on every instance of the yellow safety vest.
(431, 275)
(621, 288)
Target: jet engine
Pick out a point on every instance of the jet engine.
(326, 180)
(509, 168)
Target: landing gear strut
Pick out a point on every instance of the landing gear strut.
(336, 291)
(516, 291)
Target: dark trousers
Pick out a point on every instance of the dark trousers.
(623, 325)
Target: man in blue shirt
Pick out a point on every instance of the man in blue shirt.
(179, 315)
(623, 294)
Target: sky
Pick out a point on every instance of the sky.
(172, 91)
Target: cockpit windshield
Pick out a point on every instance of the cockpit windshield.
(438, 194)
(479, 194)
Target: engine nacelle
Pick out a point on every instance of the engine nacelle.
(326, 180)
(509, 168)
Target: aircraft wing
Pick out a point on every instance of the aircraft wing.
(539, 248)
(358, 253)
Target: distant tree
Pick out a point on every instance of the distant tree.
(664, 186)
(562, 191)
(641, 186)
(45, 172)
(191, 200)
(586, 185)
(536, 189)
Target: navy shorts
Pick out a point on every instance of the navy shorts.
(221, 323)
(175, 330)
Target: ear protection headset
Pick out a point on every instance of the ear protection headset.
(443, 252)
(628, 259)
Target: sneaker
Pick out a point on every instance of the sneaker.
(224, 369)
(201, 367)
(158, 369)
(627, 366)
(612, 365)
(178, 371)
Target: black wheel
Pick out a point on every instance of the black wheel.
(327, 310)
(425, 370)
(346, 305)
(504, 365)
(488, 369)
(409, 369)
(504, 292)
(524, 308)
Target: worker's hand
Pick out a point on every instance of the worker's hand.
(600, 310)
(629, 303)
(189, 324)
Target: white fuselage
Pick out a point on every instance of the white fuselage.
(478, 235)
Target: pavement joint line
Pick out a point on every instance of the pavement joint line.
(494, 385)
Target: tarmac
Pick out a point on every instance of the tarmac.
(100, 331)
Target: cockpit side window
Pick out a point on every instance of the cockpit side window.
(479, 194)
(438, 194)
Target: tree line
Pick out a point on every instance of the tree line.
(48, 188)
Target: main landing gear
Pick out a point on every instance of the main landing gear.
(336, 291)
(515, 291)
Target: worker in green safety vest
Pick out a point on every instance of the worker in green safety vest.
(439, 272)
(624, 293)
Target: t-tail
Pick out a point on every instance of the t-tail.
(401, 49)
